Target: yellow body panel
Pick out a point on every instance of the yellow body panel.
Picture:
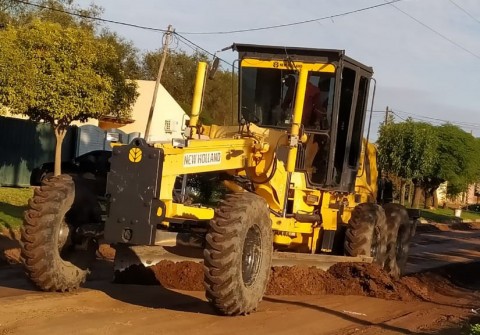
(275, 64)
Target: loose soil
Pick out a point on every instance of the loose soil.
(346, 299)
(435, 227)
(341, 279)
(9, 246)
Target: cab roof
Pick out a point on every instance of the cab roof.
(296, 53)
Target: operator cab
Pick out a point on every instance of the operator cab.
(333, 111)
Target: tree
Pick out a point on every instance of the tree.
(407, 150)
(60, 74)
(16, 13)
(126, 52)
(178, 79)
(458, 163)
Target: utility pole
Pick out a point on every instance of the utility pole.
(167, 37)
(386, 115)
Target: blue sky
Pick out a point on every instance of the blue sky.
(419, 73)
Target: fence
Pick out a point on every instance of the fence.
(25, 145)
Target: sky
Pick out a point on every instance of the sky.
(425, 53)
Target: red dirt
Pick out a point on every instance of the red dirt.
(292, 280)
(439, 301)
(105, 251)
(179, 275)
(9, 247)
(435, 227)
(182, 276)
(341, 279)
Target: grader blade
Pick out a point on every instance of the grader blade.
(323, 262)
(127, 256)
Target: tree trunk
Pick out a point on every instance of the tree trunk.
(435, 197)
(409, 192)
(59, 136)
(417, 197)
(402, 192)
(428, 198)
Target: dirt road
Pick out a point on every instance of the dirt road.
(441, 301)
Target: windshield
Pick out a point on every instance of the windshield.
(268, 95)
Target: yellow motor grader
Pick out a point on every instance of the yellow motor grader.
(300, 187)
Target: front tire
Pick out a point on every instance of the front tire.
(51, 258)
(238, 254)
(366, 233)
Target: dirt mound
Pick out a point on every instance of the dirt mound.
(433, 227)
(183, 275)
(341, 279)
(466, 226)
(366, 279)
(105, 251)
(9, 246)
(298, 280)
(11, 256)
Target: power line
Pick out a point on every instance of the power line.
(182, 39)
(93, 18)
(401, 118)
(464, 10)
(204, 33)
(289, 24)
(440, 120)
(189, 43)
(435, 31)
(434, 120)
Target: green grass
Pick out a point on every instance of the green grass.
(447, 214)
(475, 329)
(13, 202)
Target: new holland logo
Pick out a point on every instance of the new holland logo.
(135, 155)
(202, 159)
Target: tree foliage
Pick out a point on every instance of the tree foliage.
(61, 74)
(178, 79)
(458, 162)
(16, 13)
(430, 155)
(407, 149)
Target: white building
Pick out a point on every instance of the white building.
(168, 122)
(168, 118)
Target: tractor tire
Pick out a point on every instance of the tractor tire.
(366, 233)
(238, 254)
(50, 254)
(400, 233)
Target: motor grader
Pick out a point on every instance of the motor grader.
(300, 187)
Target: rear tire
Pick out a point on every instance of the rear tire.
(366, 233)
(238, 254)
(50, 255)
(400, 232)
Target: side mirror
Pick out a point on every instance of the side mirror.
(213, 69)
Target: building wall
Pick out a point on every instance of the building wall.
(167, 111)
